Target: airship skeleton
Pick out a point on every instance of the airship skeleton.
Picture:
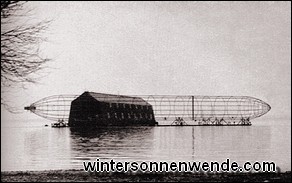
(171, 109)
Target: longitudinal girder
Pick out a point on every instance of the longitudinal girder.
(189, 109)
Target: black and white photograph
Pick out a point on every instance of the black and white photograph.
(146, 91)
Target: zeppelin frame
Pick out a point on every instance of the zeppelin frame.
(168, 109)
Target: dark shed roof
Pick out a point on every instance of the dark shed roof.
(109, 98)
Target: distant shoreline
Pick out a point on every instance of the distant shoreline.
(80, 175)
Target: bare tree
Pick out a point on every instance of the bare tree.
(20, 54)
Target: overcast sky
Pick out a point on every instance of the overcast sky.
(179, 48)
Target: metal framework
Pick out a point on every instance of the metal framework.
(176, 110)
(56, 107)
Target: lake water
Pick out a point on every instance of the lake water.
(32, 146)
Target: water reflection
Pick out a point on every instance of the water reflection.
(131, 143)
(211, 143)
(233, 142)
(41, 148)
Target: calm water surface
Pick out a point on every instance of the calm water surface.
(31, 146)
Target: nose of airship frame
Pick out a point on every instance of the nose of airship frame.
(267, 107)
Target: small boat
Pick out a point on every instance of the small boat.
(59, 124)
